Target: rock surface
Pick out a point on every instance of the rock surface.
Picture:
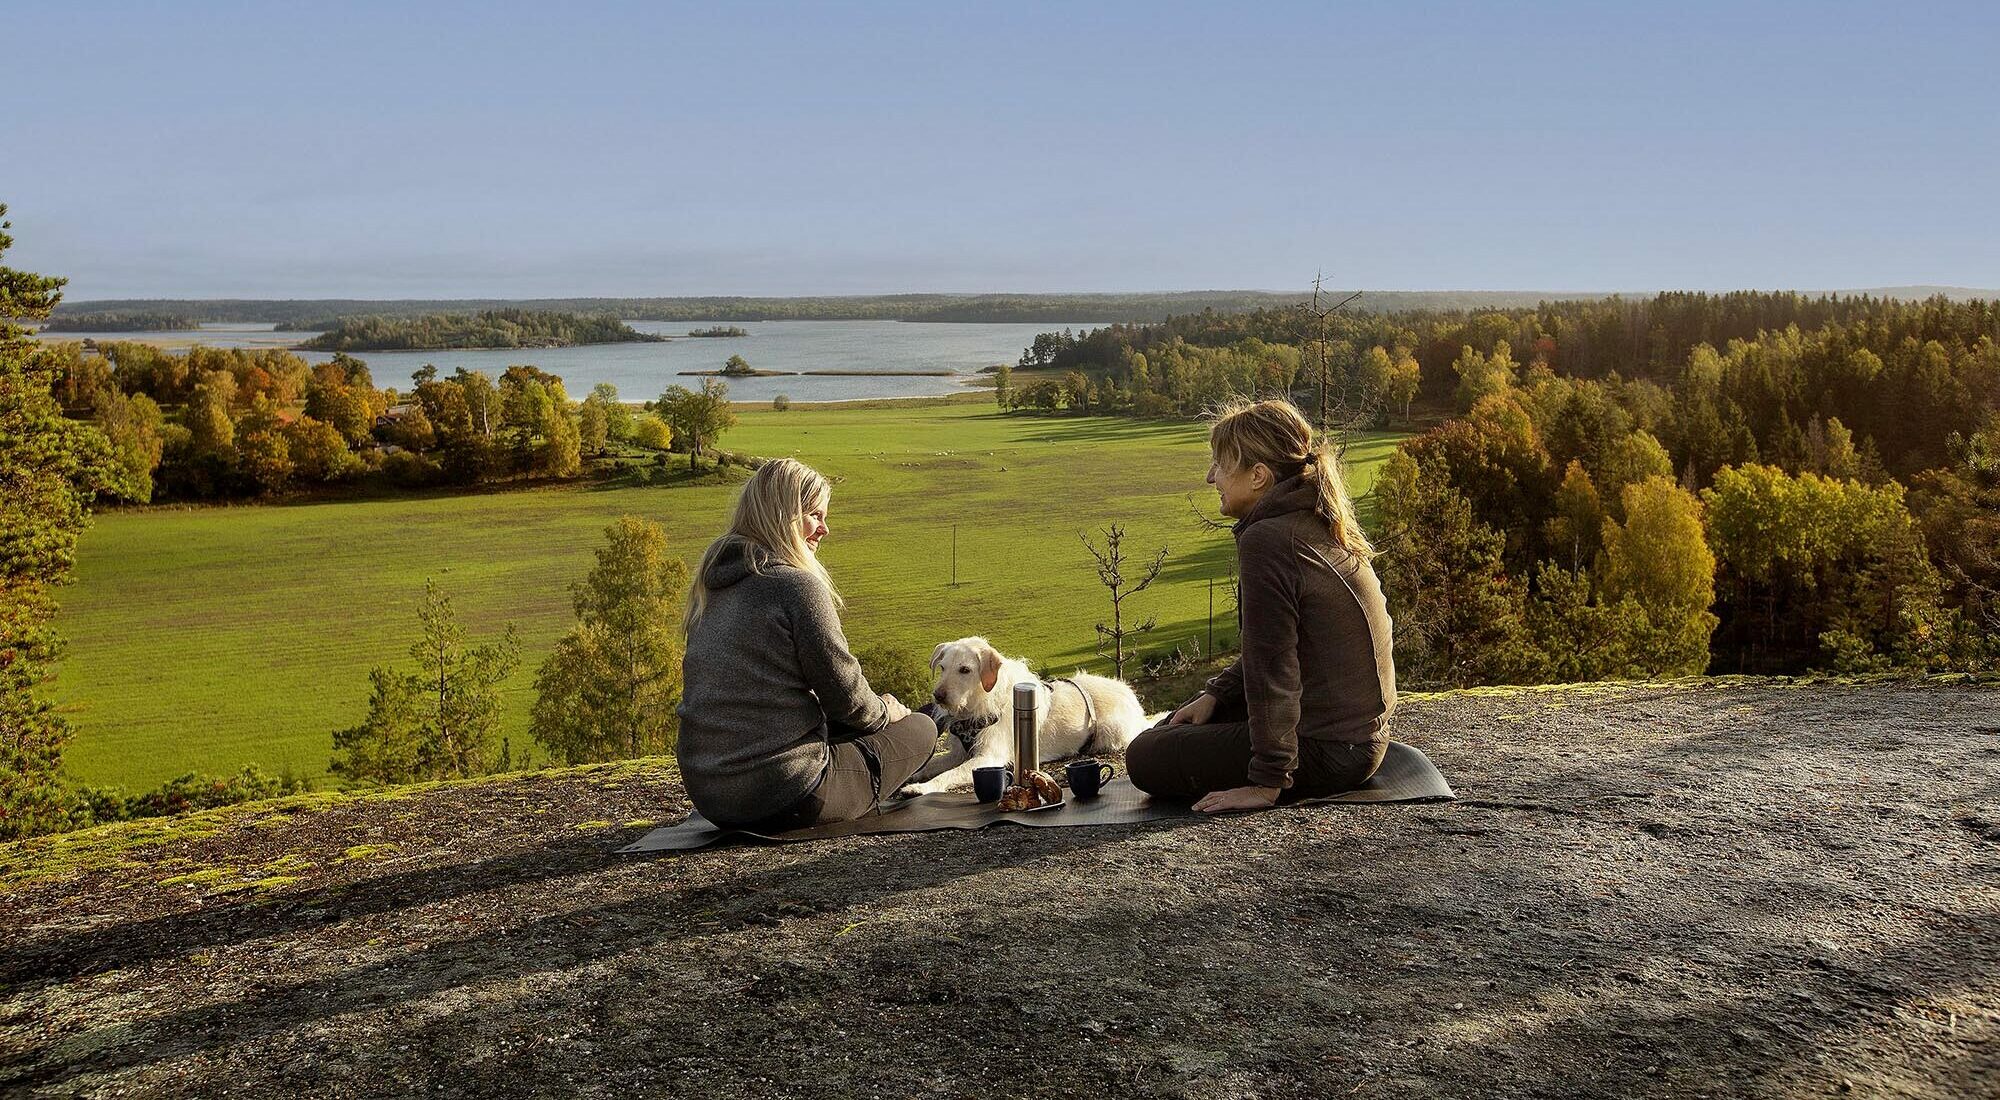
(1712, 888)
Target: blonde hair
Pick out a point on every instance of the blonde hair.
(768, 512)
(1275, 433)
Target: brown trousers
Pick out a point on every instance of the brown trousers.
(1189, 761)
(860, 769)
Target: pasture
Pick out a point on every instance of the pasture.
(214, 637)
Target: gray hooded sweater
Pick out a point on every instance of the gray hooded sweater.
(766, 677)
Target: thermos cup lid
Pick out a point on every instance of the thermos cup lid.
(1024, 696)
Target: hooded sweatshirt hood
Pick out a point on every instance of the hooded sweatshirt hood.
(737, 558)
(1294, 494)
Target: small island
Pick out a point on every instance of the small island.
(736, 367)
(498, 328)
(718, 331)
(120, 322)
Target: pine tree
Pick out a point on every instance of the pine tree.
(609, 689)
(50, 468)
(1458, 616)
(437, 722)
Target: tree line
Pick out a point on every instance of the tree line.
(217, 423)
(1740, 482)
(116, 321)
(1096, 308)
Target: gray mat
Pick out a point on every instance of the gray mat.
(1406, 775)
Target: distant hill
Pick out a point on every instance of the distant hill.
(1017, 308)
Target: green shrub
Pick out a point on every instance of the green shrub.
(897, 670)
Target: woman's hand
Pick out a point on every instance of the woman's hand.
(1237, 798)
(1196, 712)
(897, 711)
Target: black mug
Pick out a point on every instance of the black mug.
(989, 783)
(1087, 777)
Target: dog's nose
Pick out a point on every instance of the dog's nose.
(939, 696)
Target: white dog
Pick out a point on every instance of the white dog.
(975, 686)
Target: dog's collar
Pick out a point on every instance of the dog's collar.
(966, 730)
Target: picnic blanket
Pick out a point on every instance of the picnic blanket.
(1406, 775)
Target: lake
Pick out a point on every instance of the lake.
(641, 371)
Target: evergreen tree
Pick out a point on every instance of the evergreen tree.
(1458, 618)
(437, 722)
(50, 468)
(609, 689)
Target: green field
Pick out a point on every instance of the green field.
(209, 638)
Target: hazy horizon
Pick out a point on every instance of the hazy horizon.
(782, 150)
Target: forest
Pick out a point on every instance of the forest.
(500, 328)
(120, 322)
(1749, 482)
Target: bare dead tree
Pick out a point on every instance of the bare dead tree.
(1344, 407)
(1110, 573)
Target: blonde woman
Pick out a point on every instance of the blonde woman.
(779, 728)
(1304, 711)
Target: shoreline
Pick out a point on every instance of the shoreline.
(819, 374)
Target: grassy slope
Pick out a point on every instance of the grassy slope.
(210, 638)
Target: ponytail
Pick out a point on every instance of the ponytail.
(1278, 435)
(1333, 504)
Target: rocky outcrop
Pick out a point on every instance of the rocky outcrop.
(1707, 888)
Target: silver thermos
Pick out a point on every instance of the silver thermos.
(1027, 731)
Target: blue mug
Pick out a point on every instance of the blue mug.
(989, 783)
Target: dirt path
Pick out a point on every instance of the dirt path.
(1719, 889)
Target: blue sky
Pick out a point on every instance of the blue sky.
(388, 150)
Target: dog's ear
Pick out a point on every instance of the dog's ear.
(938, 653)
(989, 667)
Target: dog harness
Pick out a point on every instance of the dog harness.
(966, 730)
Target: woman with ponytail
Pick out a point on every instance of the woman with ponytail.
(1304, 711)
(779, 728)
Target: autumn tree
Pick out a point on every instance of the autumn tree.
(1811, 569)
(609, 689)
(697, 417)
(617, 414)
(1482, 376)
(591, 427)
(318, 451)
(136, 430)
(562, 440)
(1391, 378)
(438, 722)
(651, 432)
(1574, 534)
(1660, 558)
(1404, 380)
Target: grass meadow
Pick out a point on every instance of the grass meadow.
(214, 637)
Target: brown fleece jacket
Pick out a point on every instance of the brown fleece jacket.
(1316, 661)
